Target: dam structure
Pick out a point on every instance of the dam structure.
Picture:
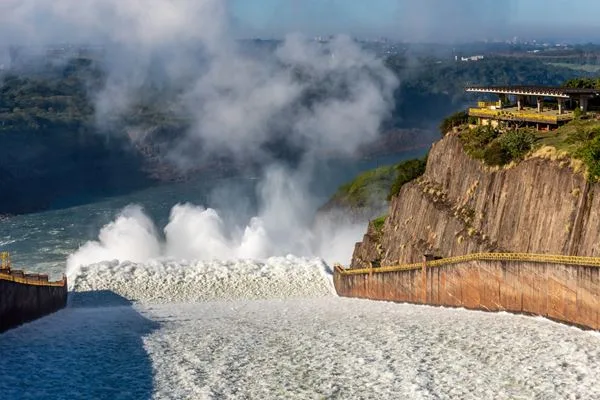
(26, 297)
(561, 288)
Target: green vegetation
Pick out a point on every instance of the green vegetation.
(582, 83)
(517, 143)
(432, 89)
(378, 223)
(58, 99)
(63, 96)
(366, 187)
(451, 77)
(476, 140)
(589, 152)
(454, 121)
(591, 68)
(406, 172)
(495, 154)
(498, 148)
(578, 140)
(375, 186)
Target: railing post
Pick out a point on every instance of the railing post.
(5, 261)
(424, 280)
(370, 281)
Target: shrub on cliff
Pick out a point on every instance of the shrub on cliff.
(367, 188)
(476, 140)
(590, 154)
(517, 143)
(494, 154)
(454, 120)
(495, 148)
(407, 171)
(374, 187)
(379, 222)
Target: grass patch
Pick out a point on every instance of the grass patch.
(366, 188)
(378, 185)
(379, 222)
(406, 172)
(578, 141)
(576, 144)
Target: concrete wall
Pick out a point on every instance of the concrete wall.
(567, 293)
(20, 303)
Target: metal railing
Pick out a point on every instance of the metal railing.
(8, 274)
(485, 104)
(519, 115)
(515, 257)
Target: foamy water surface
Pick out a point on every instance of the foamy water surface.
(274, 329)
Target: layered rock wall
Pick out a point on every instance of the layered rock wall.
(460, 206)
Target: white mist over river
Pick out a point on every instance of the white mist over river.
(221, 212)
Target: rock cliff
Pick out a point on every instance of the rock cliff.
(461, 206)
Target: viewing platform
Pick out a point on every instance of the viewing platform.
(512, 113)
(540, 106)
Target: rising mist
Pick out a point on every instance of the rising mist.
(319, 99)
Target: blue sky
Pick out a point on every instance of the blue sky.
(425, 19)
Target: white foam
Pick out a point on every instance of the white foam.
(170, 281)
(342, 348)
(296, 349)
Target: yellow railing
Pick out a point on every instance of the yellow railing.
(7, 274)
(484, 104)
(518, 257)
(518, 115)
(4, 261)
(26, 280)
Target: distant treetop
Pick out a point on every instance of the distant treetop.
(583, 83)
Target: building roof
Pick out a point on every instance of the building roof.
(547, 91)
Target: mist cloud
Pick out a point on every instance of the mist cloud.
(320, 99)
(237, 102)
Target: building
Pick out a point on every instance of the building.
(471, 58)
(540, 106)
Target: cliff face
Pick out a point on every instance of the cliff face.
(460, 206)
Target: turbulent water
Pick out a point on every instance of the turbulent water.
(172, 327)
(275, 329)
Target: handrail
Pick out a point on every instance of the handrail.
(519, 115)
(8, 274)
(518, 257)
(30, 281)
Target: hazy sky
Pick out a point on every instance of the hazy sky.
(413, 20)
(421, 19)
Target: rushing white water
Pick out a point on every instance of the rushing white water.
(166, 325)
(317, 346)
(275, 329)
(176, 282)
